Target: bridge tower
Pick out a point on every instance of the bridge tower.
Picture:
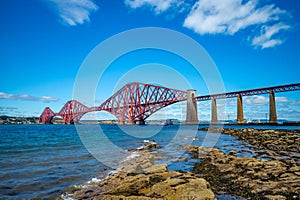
(191, 108)
(47, 116)
(272, 112)
(240, 112)
(214, 112)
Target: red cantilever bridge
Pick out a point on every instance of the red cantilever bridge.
(135, 102)
(132, 103)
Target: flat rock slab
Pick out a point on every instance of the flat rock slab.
(151, 182)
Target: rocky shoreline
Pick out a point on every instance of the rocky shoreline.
(140, 179)
(246, 177)
(273, 173)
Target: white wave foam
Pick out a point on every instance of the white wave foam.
(132, 155)
(149, 141)
(111, 173)
(140, 148)
(66, 196)
(94, 180)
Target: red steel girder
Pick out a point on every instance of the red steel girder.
(72, 111)
(47, 116)
(135, 102)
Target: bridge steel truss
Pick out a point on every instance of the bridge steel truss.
(136, 101)
(47, 116)
(72, 111)
(267, 90)
(133, 103)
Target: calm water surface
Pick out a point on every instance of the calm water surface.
(41, 161)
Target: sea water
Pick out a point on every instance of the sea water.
(42, 161)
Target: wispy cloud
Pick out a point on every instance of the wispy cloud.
(158, 6)
(265, 40)
(8, 110)
(27, 97)
(255, 100)
(261, 100)
(74, 12)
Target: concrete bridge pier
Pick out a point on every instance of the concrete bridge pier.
(191, 108)
(272, 112)
(240, 112)
(214, 112)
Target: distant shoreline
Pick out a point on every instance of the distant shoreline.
(35, 120)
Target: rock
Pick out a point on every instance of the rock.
(293, 163)
(155, 182)
(112, 197)
(232, 153)
(156, 178)
(184, 159)
(250, 178)
(161, 189)
(199, 183)
(174, 181)
(295, 169)
(130, 186)
(156, 169)
(149, 146)
(191, 193)
(275, 197)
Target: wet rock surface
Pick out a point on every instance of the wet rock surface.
(140, 178)
(250, 178)
(275, 177)
(283, 145)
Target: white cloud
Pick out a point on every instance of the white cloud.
(265, 40)
(263, 100)
(27, 97)
(229, 16)
(5, 96)
(158, 6)
(74, 12)
(296, 103)
(281, 99)
(256, 100)
(47, 99)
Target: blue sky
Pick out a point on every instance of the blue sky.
(44, 42)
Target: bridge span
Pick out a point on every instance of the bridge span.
(135, 102)
(239, 94)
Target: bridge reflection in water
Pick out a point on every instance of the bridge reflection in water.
(135, 102)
